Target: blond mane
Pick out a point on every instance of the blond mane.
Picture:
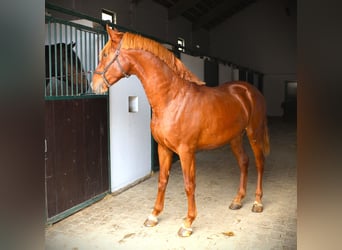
(133, 41)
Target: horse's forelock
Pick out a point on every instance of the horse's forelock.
(105, 48)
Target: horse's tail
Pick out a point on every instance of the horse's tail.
(258, 129)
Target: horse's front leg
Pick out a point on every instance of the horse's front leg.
(165, 161)
(189, 174)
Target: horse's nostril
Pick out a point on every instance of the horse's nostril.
(96, 88)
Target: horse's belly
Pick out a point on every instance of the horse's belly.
(204, 139)
(214, 140)
(220, 133)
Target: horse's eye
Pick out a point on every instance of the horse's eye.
(104, 54)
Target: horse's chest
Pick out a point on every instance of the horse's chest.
(160, 130)
(165, 131)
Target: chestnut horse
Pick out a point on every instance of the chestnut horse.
(186, 115)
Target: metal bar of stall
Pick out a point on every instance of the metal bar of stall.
(94, 51)
(85, 50)
(55, 58)
(60, 63)
(63, 68)
(81, 56)
(76, 65)
(66, 63)
(50, 66)
(99, 43)
(71, 68)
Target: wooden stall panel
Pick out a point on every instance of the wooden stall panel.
(77, 152)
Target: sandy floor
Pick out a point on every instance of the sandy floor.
(116, 222)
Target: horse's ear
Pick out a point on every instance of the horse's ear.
(69, 45)
(114, 35)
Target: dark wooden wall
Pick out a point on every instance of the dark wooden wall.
(211, 73)
(76, 157)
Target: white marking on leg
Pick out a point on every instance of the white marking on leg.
(186, 228)
(153, 218)
(257, 204)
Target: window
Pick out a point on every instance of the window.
(108, 15)
(181, 44)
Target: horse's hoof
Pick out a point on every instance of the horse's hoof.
(235, 205)
(184, 231)
(151, 221)
(257, 207)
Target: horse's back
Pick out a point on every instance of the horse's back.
(238, 98)
(246, 92)
(238, 87)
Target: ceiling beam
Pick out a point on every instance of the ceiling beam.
(180, 7)
(219, 10)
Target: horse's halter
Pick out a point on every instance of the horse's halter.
(116, 58)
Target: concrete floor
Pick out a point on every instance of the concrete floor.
(116, 222)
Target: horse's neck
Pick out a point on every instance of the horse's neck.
(160, 83)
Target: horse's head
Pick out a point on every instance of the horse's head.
(112, 67)
(62, 63)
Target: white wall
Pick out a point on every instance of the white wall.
(236, 74)
(194, 64)
(225, 73)
(130, 136)
(262, 37)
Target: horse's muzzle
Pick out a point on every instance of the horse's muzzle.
(98, 87)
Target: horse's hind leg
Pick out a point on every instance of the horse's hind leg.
(257, 147)
(165, 161)
(242, 159)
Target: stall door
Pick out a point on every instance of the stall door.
(76, 154)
